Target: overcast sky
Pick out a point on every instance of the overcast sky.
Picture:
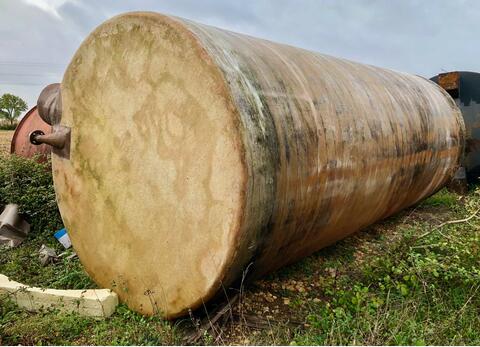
(38, 37)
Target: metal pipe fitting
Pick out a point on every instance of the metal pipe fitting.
(49, 104)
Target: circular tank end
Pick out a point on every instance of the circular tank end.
(153, 193)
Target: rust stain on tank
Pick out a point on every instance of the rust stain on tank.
(449, 81)
(21, 145)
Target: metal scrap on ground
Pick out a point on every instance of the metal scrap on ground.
(13, 228)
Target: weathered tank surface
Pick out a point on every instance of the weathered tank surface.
(464, 87)
(21, 145)
(188, 156)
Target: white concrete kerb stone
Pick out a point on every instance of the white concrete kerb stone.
(89, 302)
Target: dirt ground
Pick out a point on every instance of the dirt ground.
(5, 138)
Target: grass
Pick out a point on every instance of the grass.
(404, 280)
(123, 328)
(442, 199)
(416, 291)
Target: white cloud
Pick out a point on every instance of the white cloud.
(49, 6)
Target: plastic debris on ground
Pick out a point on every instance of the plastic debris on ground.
(63, 238)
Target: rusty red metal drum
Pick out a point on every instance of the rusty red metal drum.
(21, 145)
(198, 156)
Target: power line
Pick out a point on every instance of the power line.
(43, 74)
(30, 73)
(27, 84)
(30, 68)
(31, 63)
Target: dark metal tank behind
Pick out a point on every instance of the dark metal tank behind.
(464, 88)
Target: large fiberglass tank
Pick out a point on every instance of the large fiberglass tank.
(187, 156)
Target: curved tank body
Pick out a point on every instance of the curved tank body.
(21, 145)
(198, 156)
(464, 88)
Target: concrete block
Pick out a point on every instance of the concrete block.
(89, 302)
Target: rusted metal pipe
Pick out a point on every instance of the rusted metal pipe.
(59, 139)
(203, 156)
(55, 140)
